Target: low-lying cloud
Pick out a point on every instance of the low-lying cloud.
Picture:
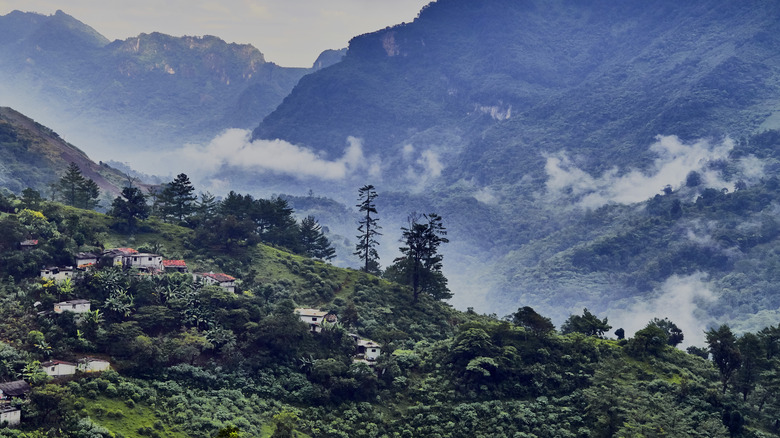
(234, 148)
(675, 161)
(679, 299)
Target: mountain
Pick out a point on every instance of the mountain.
(32, 155)
(519, 120)
(142, 93)
(511, 81)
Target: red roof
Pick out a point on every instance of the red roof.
(222, 278)
(127, 250)
(171, 263)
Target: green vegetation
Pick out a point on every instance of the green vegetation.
(194, 360)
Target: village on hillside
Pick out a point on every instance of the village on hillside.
(13, 393)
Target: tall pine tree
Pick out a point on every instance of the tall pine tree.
(368, 229)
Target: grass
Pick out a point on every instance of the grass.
(119, 418)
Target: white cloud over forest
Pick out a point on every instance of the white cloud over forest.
(674, 161)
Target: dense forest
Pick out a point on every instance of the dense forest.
(192, 359)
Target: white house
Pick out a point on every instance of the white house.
(223, 280)
(58, 368)
(313, 317)
(10, 416)
(93, 365)
(75, 306)
(368, 350)
(145, 261)
(58, 274)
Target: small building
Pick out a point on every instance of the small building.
(174, 266)
(367, 350)
(143, 261)
(223, 280)
(58, 368)
(58, 274)
(75, 306)
(313, 317)
(115, 257)
(93, 365)
(28, 245)
(10, 416)
(15, 389)
(85, 259)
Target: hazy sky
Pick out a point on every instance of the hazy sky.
(290, 33)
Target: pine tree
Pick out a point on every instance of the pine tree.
(313, 240)
(368, 229)
(177, 200)
(130, 207)
(421, 264)
(75, 190)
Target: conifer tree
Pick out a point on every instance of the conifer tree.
(75, 190)
(177, 199)
(368, 229)
(421, 264)
(313, 240)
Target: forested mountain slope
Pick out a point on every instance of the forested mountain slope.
(517, 80)
(34, 156)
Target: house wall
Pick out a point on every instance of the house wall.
(60, 369)
(372, 353)
(95, 366)
(11, 417)
(75, 308)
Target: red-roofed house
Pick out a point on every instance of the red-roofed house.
(28, 245)
(223, 280)
(175, 265)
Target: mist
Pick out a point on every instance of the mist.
(675, 160)
(679, 298)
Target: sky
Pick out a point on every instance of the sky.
(290, 33)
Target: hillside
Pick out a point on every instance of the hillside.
(32, 155)
(190, 359)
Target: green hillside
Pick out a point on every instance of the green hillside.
(196, 360)
(32, 155)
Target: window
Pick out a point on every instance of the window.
(314, 318)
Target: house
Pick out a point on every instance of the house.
(15, 389)
(313, 317)
(58, 274)
(368, 350)
(28, 245)
(75, 306)
(115, 257)
(58, 368)
(143, 261)
(84, 259)
(174, 265)
(223, 280)
(10, 416)
(93, 365)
